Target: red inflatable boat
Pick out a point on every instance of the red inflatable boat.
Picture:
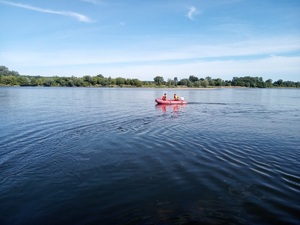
(169, 102)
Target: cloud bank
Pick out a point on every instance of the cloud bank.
(80, 17)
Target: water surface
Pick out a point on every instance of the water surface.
(111, 156)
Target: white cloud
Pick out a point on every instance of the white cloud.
(78, 64)
(192, 12)
(146, 52)
(273, 67)
(75, 15)
(273, 58)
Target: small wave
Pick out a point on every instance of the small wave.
(207, 103)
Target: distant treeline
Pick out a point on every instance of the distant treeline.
(13, 78)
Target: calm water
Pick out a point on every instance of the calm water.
(112, 157)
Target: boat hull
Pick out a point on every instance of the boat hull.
(170, 102)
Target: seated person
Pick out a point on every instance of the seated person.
(175, 97)
(164, 97)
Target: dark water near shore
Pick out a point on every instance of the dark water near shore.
(111, 156)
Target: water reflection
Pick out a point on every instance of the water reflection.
(170, 108)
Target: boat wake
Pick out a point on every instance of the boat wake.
(206, 103)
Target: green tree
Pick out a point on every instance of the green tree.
(120, 81)
(137, 83)
(269, 83)
(227, 83)
(278, 83)
(4, 70)
(24, 81)
(218, 82)
(88, 79)
(197, 83)
(184, 82)
(111, 81)
(8, 80)
(205, 83)
(175, 81)
(208, 78)
(192, 78)
(159, 80)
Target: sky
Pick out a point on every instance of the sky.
(144, 39)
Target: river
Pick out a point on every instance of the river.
(111, 156)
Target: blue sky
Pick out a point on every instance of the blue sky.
(144, 39)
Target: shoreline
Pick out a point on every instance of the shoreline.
(146, 87)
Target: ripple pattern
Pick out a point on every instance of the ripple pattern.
(101, 159)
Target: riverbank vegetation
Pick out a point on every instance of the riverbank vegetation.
(13, 78)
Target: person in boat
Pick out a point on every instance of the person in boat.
(175, 97)
(164, 97)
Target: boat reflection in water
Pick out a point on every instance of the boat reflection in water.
(174, 107)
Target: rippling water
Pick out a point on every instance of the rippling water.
(111, 156)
